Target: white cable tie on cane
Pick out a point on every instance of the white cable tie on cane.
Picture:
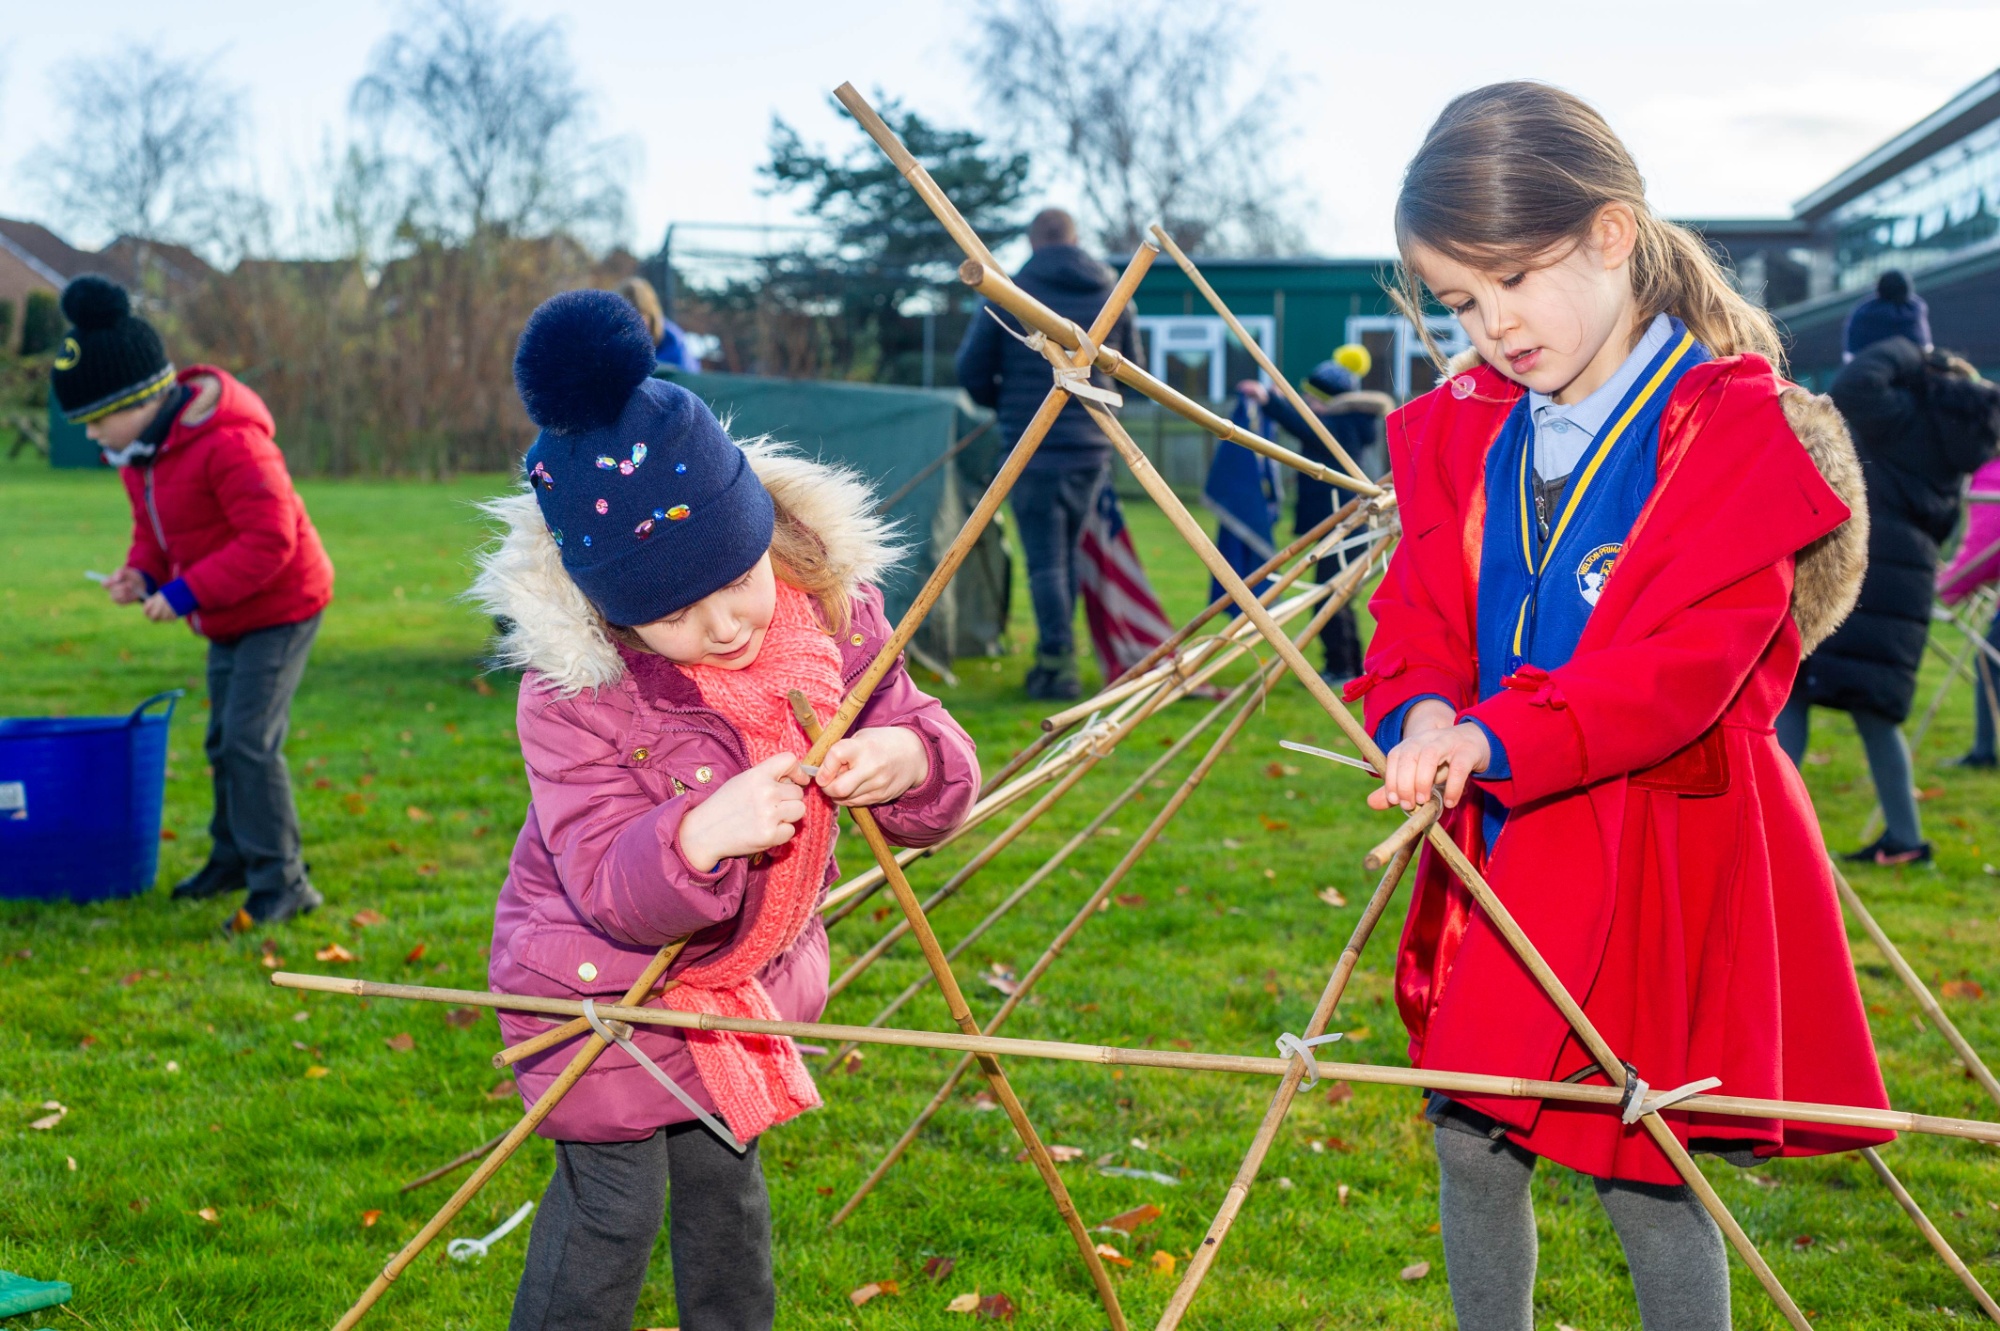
(714, 1124)
(1072, 378)
(1291, 1046)
(1641, 1100)
(464, 1250)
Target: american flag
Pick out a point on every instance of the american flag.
(1125, 618)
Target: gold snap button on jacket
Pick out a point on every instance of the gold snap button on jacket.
(640, 755)
(586, 972)
(856, 640)
(704, 774)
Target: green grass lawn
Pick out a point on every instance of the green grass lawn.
(191, 1088)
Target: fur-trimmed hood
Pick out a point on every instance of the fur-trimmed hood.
(1829, 572)
(551, 628)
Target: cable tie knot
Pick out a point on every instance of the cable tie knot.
(1292, 1046)
(1070, 377)
(1640, 1099)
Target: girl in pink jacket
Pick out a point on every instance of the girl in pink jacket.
(665, 590)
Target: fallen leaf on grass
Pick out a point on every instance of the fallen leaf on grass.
(880, 913)
(1128, 1221)
(1415, 1271)
(365, 918)
(321, 783)
(1273, 824)
(138, 1205)
(86, 1042)
(417, 815)
(964, 1303)
(210, 1214)
(316, 1071)
(1112, 1255)
(1062, 1155)
(481, 687)
(73, 1167)
(1231, 843)
(997, 1308)
(1000, 978)
(937, 1268)
(1962, 989)
(354, 804)
(1146, 1175)
(462, 1017)
(502, 1089)
(1341, 1194)
(1931, 793)
(1132, 899)
(1761, 1181)
(1804, 1241)
(47, 1121)
(427, 871)
(1332, 897)
(270, 960)
(168, 834)
(868, 1291)
(1339, 1092)
(1163, 1261)
(334, 952)
(402, 1042)
(984, 1103)
(1285, 1184)
(414, 955)
(368, 1219)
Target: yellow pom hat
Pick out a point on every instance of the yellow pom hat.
(1354, 358)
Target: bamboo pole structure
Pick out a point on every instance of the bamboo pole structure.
(1938, 1242)
(1081, 837)
(978, 272)
(1281, 1099)
(1926, 1000)
(1246, 697)
(1256, 350)
(457, 1162)
(579, 1064)
(1063, 1051)
(961, 1015)
(1416, 825)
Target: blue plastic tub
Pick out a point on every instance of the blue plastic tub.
(80, 803)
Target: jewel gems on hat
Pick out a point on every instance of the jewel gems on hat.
(603, 507)
(677, 512)
(644, 529)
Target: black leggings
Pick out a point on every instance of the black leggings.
(595, 1228)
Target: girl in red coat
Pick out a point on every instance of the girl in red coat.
(1622, 527)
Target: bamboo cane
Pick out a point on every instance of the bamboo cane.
(1062, 1051)
(552, 1037)
(1256, 350)
(1475, 883)
(1000, 289)
(1079, 839)
(1938, 1242)
(457, 1162)
(509, 1143)
(1405, 836)
(1281, 1099)
(961, 1013)
(1926, 1001)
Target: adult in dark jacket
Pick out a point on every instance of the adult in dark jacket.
(1054, 496)
(1922, 421)
(1353, 416)
(221, 540)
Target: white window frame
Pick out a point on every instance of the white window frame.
(1204, 334)
(1444, 330)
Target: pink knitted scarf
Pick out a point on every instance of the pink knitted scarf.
(759, 1081)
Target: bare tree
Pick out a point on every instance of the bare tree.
(487, 122)
(148, 151)
(1139, 107)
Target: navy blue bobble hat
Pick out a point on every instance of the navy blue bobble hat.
(1331, 379)
(651, 503)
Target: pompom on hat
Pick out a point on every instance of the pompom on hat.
(110, 359)
(1354, 358)
(652, 504)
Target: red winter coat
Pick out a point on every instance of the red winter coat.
(216, 509)
(1660, 851)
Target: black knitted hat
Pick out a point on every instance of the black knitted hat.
(112, 359)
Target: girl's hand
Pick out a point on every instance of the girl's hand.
(1253, 390)
(126, 586)
(874, 766)
(160, 610)
(1433, 747)
(751, 811)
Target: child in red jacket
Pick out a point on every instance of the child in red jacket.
(219, 538)
(1622, 528)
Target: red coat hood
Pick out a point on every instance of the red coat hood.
(220, 402)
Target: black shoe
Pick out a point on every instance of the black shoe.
(274, 908)
(1054, 679)
(1889, 855)
(211, 880)
(1974, 761)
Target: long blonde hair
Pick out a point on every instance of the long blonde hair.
(637, 292)
(1512, 171)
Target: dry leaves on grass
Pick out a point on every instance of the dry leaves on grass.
(1128, 1221)
(270, 960)
(964, 1303)
(168, 834)
(1112, 1255)
(502, 1089)
(1341, 1194)
(1131, 899)
(415, 955)
(210, 1214)
(1273, 824)
(402, 1042)
(334, 952)
(1415, 1271)
(1332, 897)
(368, 1219)
(1339, 1093)
(984, 1103)
(857, 1297)
(1001, 978)
(417, 815)
(364, 919)
(937, 1268)
(1062, 1155)
(465, 1018)
(316, 1071)
(1163, 1261)
(48, 1121)
(1962, 989)
(997, 1308)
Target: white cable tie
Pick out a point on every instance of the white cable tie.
(1291, 1046)
(1641, 1100)
(1072, 378)
(464, 1250)
(714, 1124)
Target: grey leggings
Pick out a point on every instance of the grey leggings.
(1888, 765)
(1680, 1270)
(595, 1228)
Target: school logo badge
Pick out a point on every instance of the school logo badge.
(70, 354)
(1594, 569)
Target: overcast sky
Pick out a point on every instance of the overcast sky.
(1731, 108)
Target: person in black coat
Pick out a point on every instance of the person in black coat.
(1055, 495)
(1922, 421)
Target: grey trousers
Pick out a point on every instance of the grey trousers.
(594, 1232)
(1680, 1270)
(1888, 765)
(250, 686)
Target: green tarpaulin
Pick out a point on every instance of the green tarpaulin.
(18, 1294)
(895, 437)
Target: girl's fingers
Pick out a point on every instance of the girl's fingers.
(1456, 775)
(783, 833)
